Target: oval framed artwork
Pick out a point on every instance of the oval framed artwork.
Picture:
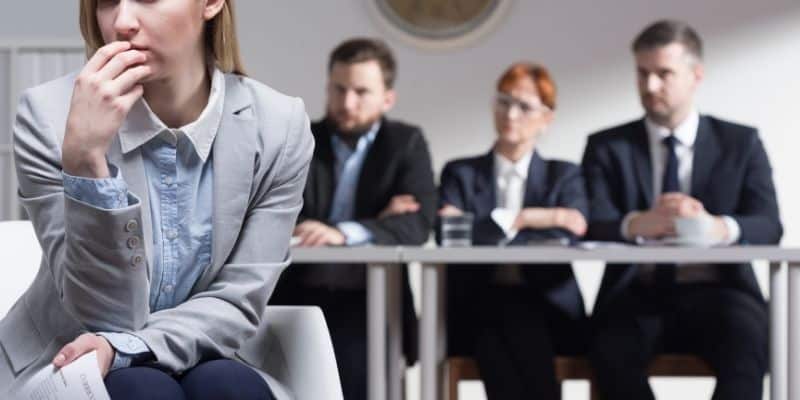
(439, 23)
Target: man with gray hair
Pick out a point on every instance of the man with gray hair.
(679, 177)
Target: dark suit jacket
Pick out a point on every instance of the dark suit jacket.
(398, 162)
(469, 184)
(731, 175)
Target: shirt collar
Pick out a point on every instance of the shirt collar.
(503, 166)
(340, 147)
(685, 132)
(142, 125)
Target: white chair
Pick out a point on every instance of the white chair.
(300, 355)
(20, 256)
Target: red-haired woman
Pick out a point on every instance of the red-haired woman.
(514, 319)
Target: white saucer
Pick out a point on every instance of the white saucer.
(688, 241)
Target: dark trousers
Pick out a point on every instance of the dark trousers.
(726, 327)
(346, 316)
(211, 380)
(517, 336)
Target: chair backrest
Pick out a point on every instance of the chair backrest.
(20, 256)
(300, 353)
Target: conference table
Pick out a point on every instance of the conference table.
(384, 314)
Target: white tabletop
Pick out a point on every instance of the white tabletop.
(615, 254)
(543, 254)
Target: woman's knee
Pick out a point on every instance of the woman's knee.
(142, 383)
(223, 380)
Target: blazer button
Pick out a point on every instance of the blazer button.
(133, 242)
(132, 226)
(136, 260)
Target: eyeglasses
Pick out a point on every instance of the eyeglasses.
(504, 103)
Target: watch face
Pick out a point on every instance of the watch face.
(438, 19)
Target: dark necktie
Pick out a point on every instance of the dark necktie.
(665, 273)
(671, 183)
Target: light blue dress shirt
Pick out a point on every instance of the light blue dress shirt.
(347, 170)
(179, 172)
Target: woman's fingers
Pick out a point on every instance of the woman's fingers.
(448, 211)
(404, 198)
(103, 55)
(122, 104)
(129, 78)
(72, 350)
(120, 63)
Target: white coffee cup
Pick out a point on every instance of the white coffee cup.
(695, 230)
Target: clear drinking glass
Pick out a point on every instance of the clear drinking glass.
(457, 230)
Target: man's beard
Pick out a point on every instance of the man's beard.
(355, 131)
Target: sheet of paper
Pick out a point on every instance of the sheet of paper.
(80, 380)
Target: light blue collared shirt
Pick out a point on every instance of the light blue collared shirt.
(179, 172)
(347, 170)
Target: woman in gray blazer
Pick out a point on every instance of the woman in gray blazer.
(163, 186)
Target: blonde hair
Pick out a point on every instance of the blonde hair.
(220, 36)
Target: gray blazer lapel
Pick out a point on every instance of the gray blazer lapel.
(233, 155)
(131, 166)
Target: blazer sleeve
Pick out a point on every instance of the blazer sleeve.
(571, 193)
(451, 188)
(415, 178)
(605, 217)
(216, 321)
(757, 213)
(100, 279)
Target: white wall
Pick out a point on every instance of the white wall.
(752, 57)
(752, 61)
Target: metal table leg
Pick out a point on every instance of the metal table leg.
(394, 312)
(376, 331)
(778, 330)
(794, 331)
(432, 331)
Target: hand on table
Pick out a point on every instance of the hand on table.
(314, 233)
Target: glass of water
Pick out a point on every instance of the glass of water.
(457, 230)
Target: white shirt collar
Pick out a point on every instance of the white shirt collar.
(142, 125)
(685, 132)
(504, 166)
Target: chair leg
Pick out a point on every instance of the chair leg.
(453, 375)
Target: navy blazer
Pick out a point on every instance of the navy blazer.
(731, 175)
(469, 184)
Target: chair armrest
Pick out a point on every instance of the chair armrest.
(300, 352)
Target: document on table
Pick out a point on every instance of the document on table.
(80, 380)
